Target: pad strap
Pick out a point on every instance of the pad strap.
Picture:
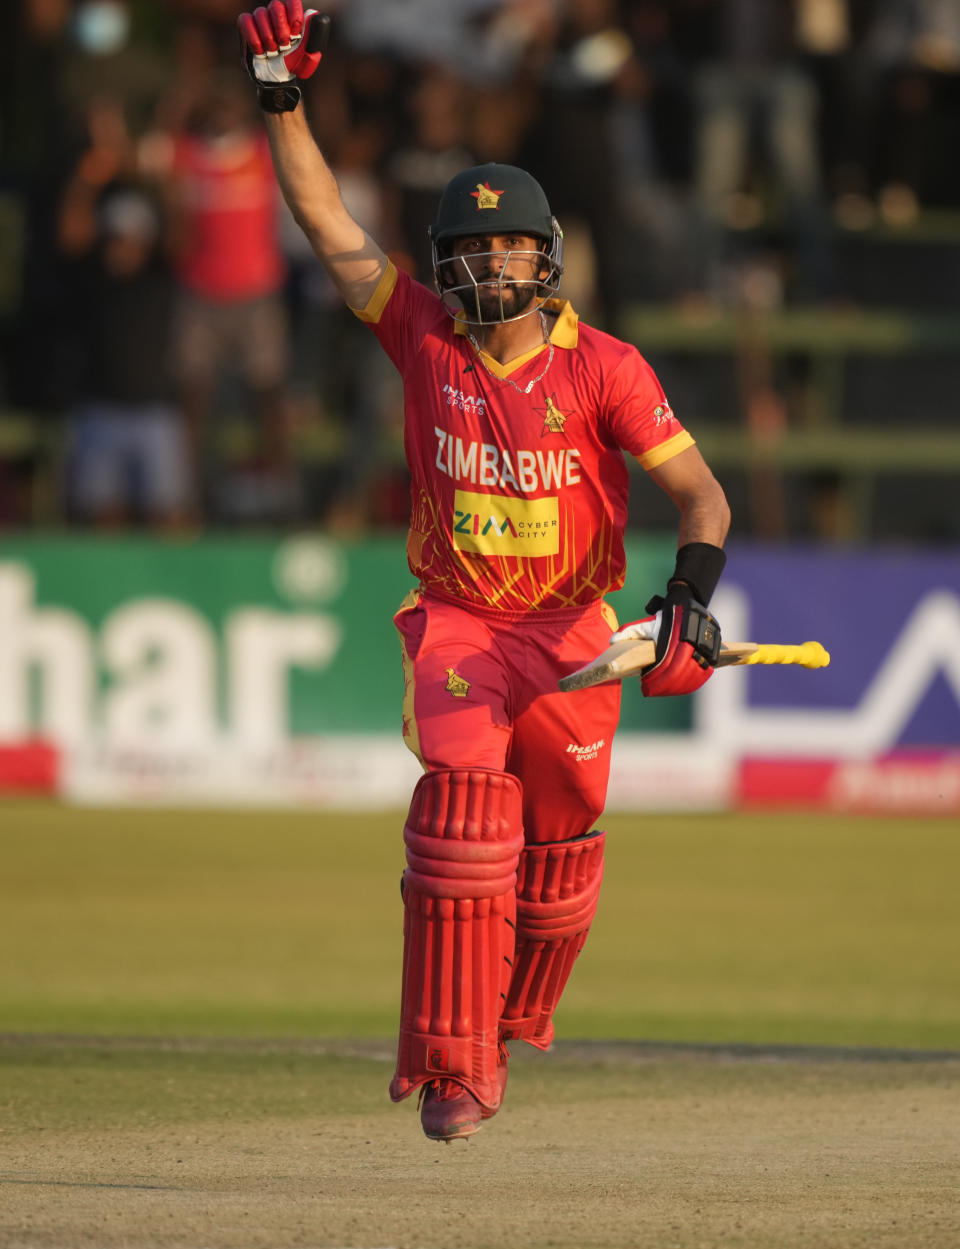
(557, 893)
(463, 836)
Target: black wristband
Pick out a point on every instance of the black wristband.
(699, 564)
(278, 98)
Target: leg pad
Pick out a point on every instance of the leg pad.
(463, 838)
(557, 892)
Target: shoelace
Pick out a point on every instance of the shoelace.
(443, 1090)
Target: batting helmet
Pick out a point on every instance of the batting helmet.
(491, 200)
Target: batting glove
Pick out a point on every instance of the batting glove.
(687, 642)
(282, 46)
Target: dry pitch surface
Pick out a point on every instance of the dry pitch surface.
(117, 1144)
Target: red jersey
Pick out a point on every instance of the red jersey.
(229, 192)
(519, 500)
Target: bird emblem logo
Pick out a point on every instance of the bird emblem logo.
(553, 420)
(486, 196)
(456, 685)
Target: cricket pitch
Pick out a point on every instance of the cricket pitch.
(117, 1145)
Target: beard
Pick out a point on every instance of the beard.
(500, 303)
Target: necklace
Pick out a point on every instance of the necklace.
(521, 390)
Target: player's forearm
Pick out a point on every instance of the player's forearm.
(306, 181)
(355, 261)
(697, 495)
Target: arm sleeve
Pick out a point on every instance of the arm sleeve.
(400, 312)
(639, 415)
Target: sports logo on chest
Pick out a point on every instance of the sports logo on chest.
(454, 397)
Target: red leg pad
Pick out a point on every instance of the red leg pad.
(557, 893)
(463, 836)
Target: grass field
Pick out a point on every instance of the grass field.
(197, 1013)
(787, 928)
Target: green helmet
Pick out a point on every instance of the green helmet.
(493, 199)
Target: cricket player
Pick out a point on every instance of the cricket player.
(517, 417)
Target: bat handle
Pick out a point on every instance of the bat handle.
(807, 655)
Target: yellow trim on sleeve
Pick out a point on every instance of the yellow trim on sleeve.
(372, 310)
(666, 450)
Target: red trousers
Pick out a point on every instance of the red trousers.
(480, 691)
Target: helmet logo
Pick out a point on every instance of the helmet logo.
(485, 196)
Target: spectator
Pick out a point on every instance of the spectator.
(92, 73)
(340, 381)
(231, 324)
(749, 81)
(422, 166)
(911, 105)
(127, 453)
(479, 40)
(107, 63)
(650, 120)
(572, 145)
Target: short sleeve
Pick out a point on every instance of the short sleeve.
(401, 312)
(639, 415)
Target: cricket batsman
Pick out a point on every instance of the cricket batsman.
(517, 417)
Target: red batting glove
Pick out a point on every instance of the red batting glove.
(281, 46)
(688, 643)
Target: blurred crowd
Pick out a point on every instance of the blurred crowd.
(166, 329)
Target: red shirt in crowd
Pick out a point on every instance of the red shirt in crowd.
(228, 200)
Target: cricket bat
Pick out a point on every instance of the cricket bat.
(631, 657)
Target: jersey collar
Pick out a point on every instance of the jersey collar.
(566, 328)
(565, 333)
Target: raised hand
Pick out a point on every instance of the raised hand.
(282, 45)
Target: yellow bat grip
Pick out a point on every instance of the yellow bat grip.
(807, 655)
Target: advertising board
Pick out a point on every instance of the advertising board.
(262, 670)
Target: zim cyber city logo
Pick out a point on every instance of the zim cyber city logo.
(490, 524)
(473, 523)
(480, 525)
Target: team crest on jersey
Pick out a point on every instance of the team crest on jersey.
(456, 686)
(486, 196)
(553, 419)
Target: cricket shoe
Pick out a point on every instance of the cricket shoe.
(448, 1112)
